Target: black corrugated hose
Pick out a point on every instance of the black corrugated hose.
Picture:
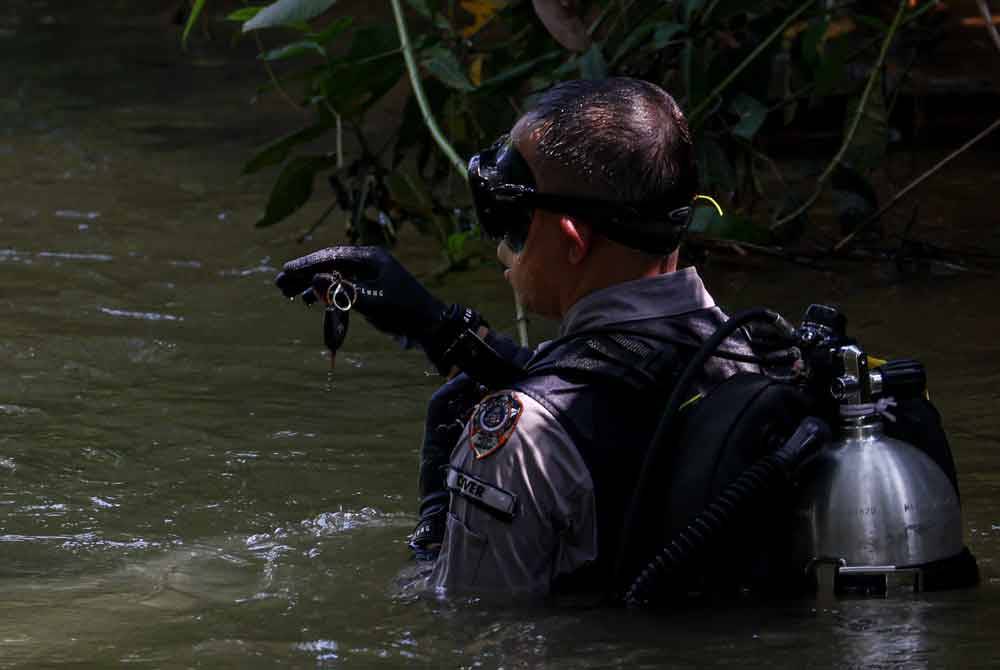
(688, 544)
(667, 424)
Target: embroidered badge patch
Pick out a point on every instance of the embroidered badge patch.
(493, 423)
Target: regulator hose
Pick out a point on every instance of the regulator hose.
(689, 543)
(668, 423)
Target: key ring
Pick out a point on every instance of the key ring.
(345, 302)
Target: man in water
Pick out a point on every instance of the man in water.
(590, 195)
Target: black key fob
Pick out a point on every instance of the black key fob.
(335, 322)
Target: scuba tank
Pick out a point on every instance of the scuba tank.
(828, 470)
(873, 509)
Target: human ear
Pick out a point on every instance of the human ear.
(580, 237)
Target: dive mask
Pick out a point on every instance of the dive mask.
(505, 195)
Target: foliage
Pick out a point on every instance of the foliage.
(743, 69)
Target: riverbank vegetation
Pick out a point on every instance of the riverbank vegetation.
(752, 77)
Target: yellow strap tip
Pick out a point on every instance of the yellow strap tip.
(718, 208)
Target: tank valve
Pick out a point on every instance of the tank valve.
(842, 387)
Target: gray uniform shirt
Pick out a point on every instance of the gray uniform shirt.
(522, 508)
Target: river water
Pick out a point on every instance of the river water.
(183, 483)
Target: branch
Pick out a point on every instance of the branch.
(984, 9)
(810, 261)
(274, 78)
(695, 115)
(449, 151)
(858, 113)
(418, 91)
(916, 182)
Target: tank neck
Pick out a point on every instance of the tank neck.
(865, 426)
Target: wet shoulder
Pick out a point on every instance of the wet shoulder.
(515, 443)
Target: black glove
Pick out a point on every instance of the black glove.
(396, 303)
(387, 294)
(447, 413)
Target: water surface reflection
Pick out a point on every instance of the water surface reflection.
(182, 481)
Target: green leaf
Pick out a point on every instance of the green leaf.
(421, 7)
(690, 7)
(664, 33)
(443, 64)
(336, 27)
(812, 38)
(196, 10)
(352, 88)
(244, 14)
(519, 71)
(879, 25)
(301, 75)
(373, 42)
(632, 40)
(277, 151)
(294, 187)
(293, 50)
(287, 12)
(442, 23)
(592, 63)
(455, 246)
(752, 115)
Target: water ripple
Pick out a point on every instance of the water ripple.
(264, 267)
(73, 214)
(147, 316)
(18, 410)
(325, 650)
(84, 541)
(330, 523)
(76, 256)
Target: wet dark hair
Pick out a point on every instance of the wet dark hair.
(617, 139)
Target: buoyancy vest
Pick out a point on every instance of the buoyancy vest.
(607, 390)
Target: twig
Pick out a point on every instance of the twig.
(708, 11)
(817, 261)
(916, 182)
(432, 126)
(623, 7)
(599, 20)
(741, 248)
(361, 204)
(695, 115)
(340, 142)
(274, 78)
(855, 123)
(984, 9)
(418, 90)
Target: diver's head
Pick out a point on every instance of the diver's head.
(592, 187)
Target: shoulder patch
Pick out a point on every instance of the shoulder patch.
(493, 422)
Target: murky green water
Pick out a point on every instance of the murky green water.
(183, 484)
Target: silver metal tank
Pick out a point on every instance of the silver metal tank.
(874, 501)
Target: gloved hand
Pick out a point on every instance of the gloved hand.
(447, 413)
(387, 294)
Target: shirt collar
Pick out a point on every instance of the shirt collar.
(664, 295)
